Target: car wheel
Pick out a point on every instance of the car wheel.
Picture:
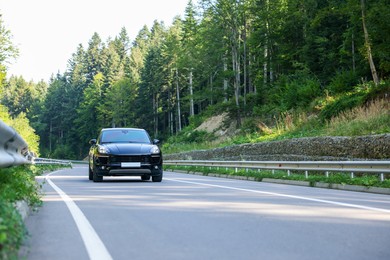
(90, 175)
(145, 177)
(96, 177)
(157, 178)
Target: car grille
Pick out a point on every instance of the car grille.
(133, 158)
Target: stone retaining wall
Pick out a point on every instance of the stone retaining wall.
(372, 147)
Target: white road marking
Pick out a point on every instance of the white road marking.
(285, 195)
(95, 247)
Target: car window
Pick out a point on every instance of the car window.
(124, 136)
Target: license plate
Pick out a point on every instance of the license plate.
(130, 164)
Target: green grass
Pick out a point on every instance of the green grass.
(16, 184)
(334, 178)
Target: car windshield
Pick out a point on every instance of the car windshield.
(124, 136)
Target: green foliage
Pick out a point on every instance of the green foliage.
(22, 126)
(360, 95)
(17, 184)
(7, 49)
(343, 81)
(296, 91)
(192, 138)
(4, 115)
(64, 151)
(343, 103)
(373, 118)
(12, 230)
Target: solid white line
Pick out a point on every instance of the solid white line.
(285, 195)
(95, 247)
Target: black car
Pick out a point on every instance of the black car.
(125, 152)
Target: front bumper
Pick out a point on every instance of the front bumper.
(140, 165)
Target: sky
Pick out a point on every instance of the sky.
(47, 32)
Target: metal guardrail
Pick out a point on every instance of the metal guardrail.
(51, 161)
(371, 167)
(13, 149)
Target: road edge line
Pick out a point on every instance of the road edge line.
(94, 245)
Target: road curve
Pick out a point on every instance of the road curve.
(198, 217)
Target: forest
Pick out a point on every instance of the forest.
(254, 59)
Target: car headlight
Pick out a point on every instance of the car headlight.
(103, 150)
(155, 150)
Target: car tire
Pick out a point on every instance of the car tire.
(90, 173)
(157, 178)
(145, 177)
(96, 177)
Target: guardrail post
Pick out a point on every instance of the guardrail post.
(288, 172)
(352, 175)
(306, 174)
(382, 177)
(327, 174)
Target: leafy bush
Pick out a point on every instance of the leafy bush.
(344, 81)
(345, 102)
(295, 91)
(63, 152)
(194, 136)
(12, 230)
(17, 183)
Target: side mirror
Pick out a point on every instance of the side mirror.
(92, 141)
(156, 141)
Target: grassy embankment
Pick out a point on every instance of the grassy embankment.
(365, 111)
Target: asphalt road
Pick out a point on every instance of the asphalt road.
(197, 217)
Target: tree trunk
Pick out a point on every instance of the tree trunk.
(225, 81)
(265, 63)
(244, 65)
(353, 54)
(191, 96)
(368, 45)
(155, 107)
(211, 88)
(178, 102)
(236, 69)
(50, 133)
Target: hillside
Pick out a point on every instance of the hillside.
(364, 125)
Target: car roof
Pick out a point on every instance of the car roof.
(123, 128)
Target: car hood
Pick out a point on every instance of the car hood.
(128, 148)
